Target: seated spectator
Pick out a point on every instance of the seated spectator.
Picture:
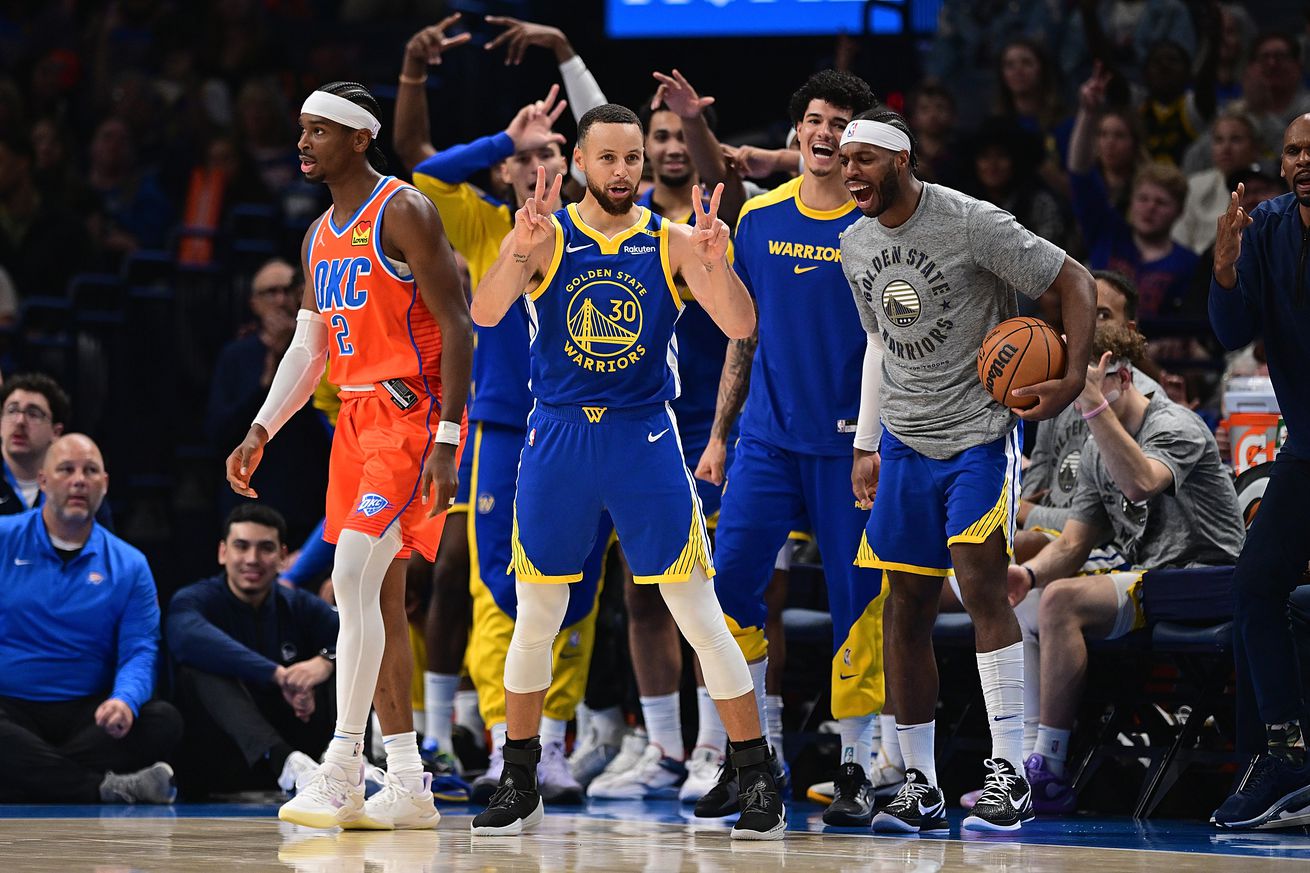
(1107, 143)
(1028, 95)
(1004, 171)
(132, 211)
(1149, 477)
(78, 655)
(253, 661)
(1173, 115)
(293, 475)
(1275, 92)
(42, 242)
(1233, 147)
(932, 116)
(34, 411)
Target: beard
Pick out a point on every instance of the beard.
(608, 203)
(889, 191)
(674, 181)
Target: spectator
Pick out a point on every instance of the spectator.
(1172, 114)
(1234, 145)
(1150, 479)
(34, 411)
(1121, 33)
(1275, 92)
(1005, 168)
(1028, 94)
(932, 114)
(42, 243)
(1236, 34)
(294, 473)
(1107, 141)
(77, 659)
(253, 661)
(52, 166)
(133, 211)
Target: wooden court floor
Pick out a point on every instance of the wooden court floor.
(198, 840)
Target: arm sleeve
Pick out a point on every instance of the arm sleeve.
(298, 373)
(457, 163)
(314, 561)
(868, 429)
(1236, 321)
(1012, 252)
(197, 642)
(580, 87)
(138, 641)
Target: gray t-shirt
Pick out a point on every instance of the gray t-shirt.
(932, 289)
(1055, 457)
(1195, 522)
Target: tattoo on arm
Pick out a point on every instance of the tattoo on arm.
(734, 384)
(520, 259)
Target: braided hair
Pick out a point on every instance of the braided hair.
(360, 96)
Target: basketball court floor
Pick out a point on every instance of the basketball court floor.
(640, 837)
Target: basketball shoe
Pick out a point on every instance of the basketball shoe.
(1274, 793)
(516, 805)
(763, 816)
(153, 784)
(852, 802)
(448, 784)
(554, 778)
(1052, 795)
(399, 807)
(630, 752)
(655, 776)
(885, 777)
(1006, 802)
(918, 808)
(326, 798)
(590, 757)
(721, 801)
(297, 764)
(485, 785)
(702, 772)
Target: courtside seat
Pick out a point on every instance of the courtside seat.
(807, 626)
(1171, 637)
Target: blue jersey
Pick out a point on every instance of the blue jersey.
(602, 318)
(500, 371)
(702, 347)
(805, 382)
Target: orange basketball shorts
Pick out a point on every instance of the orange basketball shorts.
(376, 469)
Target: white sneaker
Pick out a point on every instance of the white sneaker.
(702, 773)
(887, 778)
(629, 754)
(325, 798)
(554, 779)
(297, 764)
(400, 807)
(655, 776)
(590, 757)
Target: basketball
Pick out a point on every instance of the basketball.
(1017, 353)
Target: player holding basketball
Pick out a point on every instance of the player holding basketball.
(383, 302)
(601, 283)
(932, 271)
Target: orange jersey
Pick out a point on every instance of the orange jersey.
(379, 326)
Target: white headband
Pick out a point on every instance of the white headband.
(342, 111)
(876, 133)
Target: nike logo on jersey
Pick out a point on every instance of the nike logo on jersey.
(798, 269)
(572, 249)
(654, 437)
(850, 676)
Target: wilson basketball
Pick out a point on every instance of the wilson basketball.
(1017, 353)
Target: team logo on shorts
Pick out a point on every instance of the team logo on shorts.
(486, 503)
(1067, 478)
(575, 639)
(532, 437)
(901, 303)
(371, 504)
(361, 233)
(604, 320)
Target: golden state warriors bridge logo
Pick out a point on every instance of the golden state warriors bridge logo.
(604, 320)
(901, 303)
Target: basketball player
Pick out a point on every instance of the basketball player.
(601, 280)
(385, 304)
(932, 271)
(792, 466)
(498, 413)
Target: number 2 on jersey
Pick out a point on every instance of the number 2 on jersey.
(342, 327)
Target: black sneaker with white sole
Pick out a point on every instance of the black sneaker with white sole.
(852, 799)
(918, 808)
(763, 816)
(721, 800)
(1006, 802)
(516, 806)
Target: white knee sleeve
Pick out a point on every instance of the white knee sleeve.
(700, 618)
(360, 565)
(540, 614)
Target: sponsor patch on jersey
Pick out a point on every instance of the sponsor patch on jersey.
(361, 233)
(371, 504)
(638, 250)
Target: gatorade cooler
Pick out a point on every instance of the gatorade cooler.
(1254, 438)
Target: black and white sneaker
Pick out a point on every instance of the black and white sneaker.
(721, 800)
(763, 816)
(852, 800)
(918, 808)
(516, 806)
(1006, 802)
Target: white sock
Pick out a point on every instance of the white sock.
(403, 761)
(773, 711)
(855, 734)
(439, 707)
(711, 732)
(1053, 745)
(1001, 673)
(891, 742)
(918, 743)
(498, 732)
(758, 671)
(468, 714)
(1026, 613)
(581, 722)
(552, 730)
(346, 750)
(610, 725)
(664, 723)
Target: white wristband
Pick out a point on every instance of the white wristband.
(447, 433)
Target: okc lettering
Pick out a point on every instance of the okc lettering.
(804, 252)
(997, 368)
(336, 283)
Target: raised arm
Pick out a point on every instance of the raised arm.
(700, 256)
(412, 139)
(1232, 319)
(1091, 102)
(524, 255)
(706, 152)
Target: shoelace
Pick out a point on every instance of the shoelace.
(755, 798)
(844, 788)
(910, 795)
(997, 784)
(505, 797)
(1262, 770)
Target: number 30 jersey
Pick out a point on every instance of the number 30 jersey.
(378, 326)
(602, 318)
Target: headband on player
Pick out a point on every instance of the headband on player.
(876, 133)
(342, 111)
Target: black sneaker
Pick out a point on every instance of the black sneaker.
(918, 808)
(721, 800)
(516, 806)
(1274, 793)
(763, 816)
(852, 799)
(1006, 802)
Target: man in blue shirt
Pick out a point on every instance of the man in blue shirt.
(79, 636)
(253, 660)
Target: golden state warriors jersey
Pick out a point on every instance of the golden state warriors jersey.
(602, 318)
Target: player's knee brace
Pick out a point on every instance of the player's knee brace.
(540, 613)
(700, 618)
